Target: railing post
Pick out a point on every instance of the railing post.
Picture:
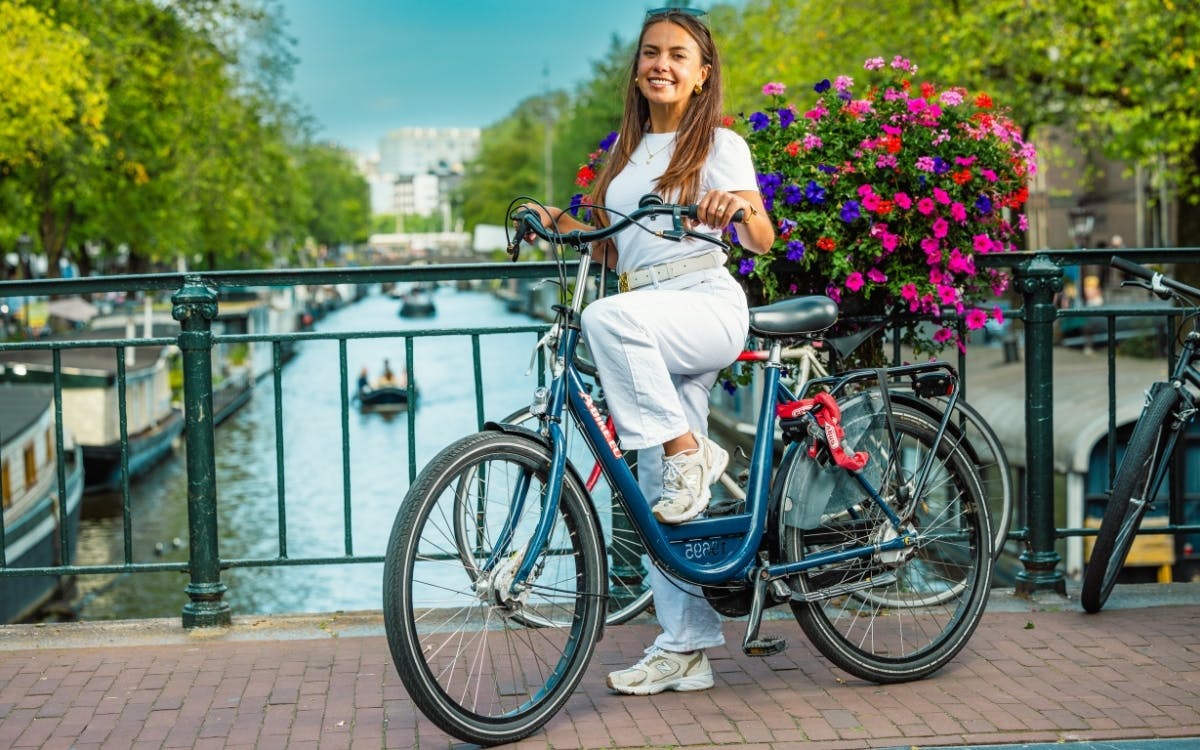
(195, 306)
(1038, 280)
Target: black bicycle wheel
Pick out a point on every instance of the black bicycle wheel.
(628, 588)
(1134, 488)
(458, 630)
(891, 616)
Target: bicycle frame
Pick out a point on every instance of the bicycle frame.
(704, 551)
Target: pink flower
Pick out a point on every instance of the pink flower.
(902, 200)
(854, 281)
(940, 227)
(961, 264)
(958, 212)
(948, 294)
(843, 83)
(890, 241)
(941, 196)
(774, 89)
(998, 315)
(942, 335)
(876, 276)
(926, 206)
(873, 63)
(982, 243)
(976, 319)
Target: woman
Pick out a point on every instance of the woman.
(660, 345)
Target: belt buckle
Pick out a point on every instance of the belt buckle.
(623, 282)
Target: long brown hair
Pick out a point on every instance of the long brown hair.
(681, 181)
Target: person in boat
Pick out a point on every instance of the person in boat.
(391, 379)
(364, 380)
(660, 344)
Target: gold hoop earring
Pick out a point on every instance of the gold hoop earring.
(697, 88)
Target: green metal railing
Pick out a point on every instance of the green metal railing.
(1037, 278)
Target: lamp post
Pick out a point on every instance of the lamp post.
(24, 246)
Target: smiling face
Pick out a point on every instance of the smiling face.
(669, 66)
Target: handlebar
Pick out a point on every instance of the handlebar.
(649, 206)
(1161, 285)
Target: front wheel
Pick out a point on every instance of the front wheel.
(487, 657)
(628, 586)
(890, 615)
(1134, 488)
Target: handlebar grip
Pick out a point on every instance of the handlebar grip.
(738, 216)
(1131, 268)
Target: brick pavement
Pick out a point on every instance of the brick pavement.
(1030, 674)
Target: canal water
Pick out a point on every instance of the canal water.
(315, 523)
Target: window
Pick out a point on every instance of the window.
(30, 466)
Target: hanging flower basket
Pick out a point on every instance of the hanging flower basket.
(884, 191)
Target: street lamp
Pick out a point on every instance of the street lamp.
(1083, 221)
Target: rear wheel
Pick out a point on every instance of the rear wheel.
(891, 615)
(1134, 488)
(487, 657)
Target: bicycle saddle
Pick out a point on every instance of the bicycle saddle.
(794, 316)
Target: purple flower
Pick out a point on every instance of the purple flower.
(792, 195)
(850, 211)
(814, 193)
(786, 117)
(823, 86)
(576, 202)
(608, 141)
(795, 250)
(759, 121)
(746, 266)
(729, 386)
(984, 204)
(940, 165)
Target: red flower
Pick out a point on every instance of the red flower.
(927, 90)
(792, 148)
(585, 175)
(983, 101)
(884, 207)
(826, 243)
(892, 143)
(727, 121)
(961, 177)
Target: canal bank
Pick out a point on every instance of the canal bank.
(1035, 671)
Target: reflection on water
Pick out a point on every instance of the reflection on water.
(314, 522)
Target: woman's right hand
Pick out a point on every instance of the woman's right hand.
(553, 218)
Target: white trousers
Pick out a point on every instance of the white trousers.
(658, 350)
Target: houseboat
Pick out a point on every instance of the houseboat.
(37, 522)
(90, 400)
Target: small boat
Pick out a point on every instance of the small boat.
(386, 398)
(35, 516)
(417, 303)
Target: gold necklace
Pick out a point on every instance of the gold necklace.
(651, 154)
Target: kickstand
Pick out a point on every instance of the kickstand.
(752, 645)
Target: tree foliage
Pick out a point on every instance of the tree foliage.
(161, 131)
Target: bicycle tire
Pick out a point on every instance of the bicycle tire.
(991, 463)
(1131, 495)
(900, 623)
(473, 668)
(628, 588)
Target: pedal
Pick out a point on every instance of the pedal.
(766, 646)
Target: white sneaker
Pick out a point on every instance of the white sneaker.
(663, 670)
(686, 480)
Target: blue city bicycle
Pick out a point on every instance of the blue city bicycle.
(873, 528)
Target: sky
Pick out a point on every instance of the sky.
(369, 66)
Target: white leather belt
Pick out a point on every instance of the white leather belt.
(640, 277)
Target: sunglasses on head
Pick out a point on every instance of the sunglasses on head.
(694, 12)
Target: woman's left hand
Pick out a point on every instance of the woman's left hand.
(718, 207)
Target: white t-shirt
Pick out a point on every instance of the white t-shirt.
(729, 167)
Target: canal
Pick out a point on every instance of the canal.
(247, 488)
